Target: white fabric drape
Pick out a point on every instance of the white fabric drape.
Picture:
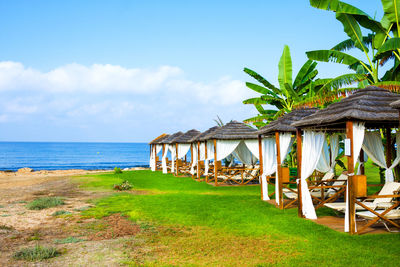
(243, 154)
(323, 164)
(152, 158)
(396, 161)
(183, 149)
(164, 159)
(225, 148)
(311, 152)
(285, 143)
(202, 155)
(172, 148)
(252, 145)
(269, 163)
(194, 158)
(334, 140)
(358, 139)
(210, 155)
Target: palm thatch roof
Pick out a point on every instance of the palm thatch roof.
(370, 105)
(171, 138)
(234, 130)
(158, 139)
(204, 135)
(395, 104)
(186, 137)
(283, 123)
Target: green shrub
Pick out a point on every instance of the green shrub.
(67, 240)
(61, 212)
(6, 227)
(44, 203)
(36, 253)
(117, 170)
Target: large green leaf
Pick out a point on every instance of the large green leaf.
(261, 79)
(342, 80)
(392, 10)
(292, 93)
(255, 101)
(285, 68)
(307, 68)
(387, 48)
(258, 88)
(352, 29)
(332, 56)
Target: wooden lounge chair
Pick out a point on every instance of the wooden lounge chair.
(383, 216)
(380, 202)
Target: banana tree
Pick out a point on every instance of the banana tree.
(290, 93)
(378, 47)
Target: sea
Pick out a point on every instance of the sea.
(72, 155)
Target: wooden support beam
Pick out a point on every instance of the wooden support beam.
(205, 144)
(278, 181)
(176, 159)
(299, 158)
(260, 158)
(198, 160)
(215, 163)
(350, 168)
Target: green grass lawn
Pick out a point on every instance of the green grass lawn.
(231, 225)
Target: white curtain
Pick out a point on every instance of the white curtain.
(210, 155)
(202, 151)
(243, 154)
(334, 140)
(152, 159)
(396, 161)
(358, 139)
(323, 164)
(225, 148)
(164, 159)
(194, 158)
(252, 145)
(311, 152)
(269, 163)
(285, 143)
(172, 148)
(183, 149)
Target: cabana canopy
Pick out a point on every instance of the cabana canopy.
(171, 138)
(283, 123)
(159, 139)
(155, 148)
(186, 137)
(204, 135)
(395, 104)
(234, 130)
(370, 105)
(167, 145)
(183, 145)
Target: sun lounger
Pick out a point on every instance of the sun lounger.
(388, 189)
(336, 186)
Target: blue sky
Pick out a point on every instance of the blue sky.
(130, 70)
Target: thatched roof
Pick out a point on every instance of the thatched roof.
(186, 137)
(159, 139)
(283, 124)
(204, 135)
(370, 105)
(171, 138)
(234, 130)
(395, 104)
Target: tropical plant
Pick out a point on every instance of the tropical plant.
(291, 93)
(379, 46)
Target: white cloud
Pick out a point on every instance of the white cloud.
(75, 94)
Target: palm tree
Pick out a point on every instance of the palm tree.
(291, 93)
(378, 47)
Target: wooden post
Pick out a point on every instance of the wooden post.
(215, 163)
(205, 144)
(279, 170)
(155, 156)
(299, 158)
(350, 169)
(198, 160)
(260, 158)
(388, 147)
(176, 160)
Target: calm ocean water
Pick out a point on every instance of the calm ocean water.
(63, 155)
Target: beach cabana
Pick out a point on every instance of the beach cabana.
(360, 116)
(182, 147)
(275, 142)
(239, 141)
(168, 147)
(155, 149)
(199, 143)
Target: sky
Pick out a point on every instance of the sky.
(128, 71)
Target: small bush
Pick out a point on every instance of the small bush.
(6, 227)
(125, 185)
(44, 203)
(67, 240)
(117, 170)
(36, 253)
(61, 212)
